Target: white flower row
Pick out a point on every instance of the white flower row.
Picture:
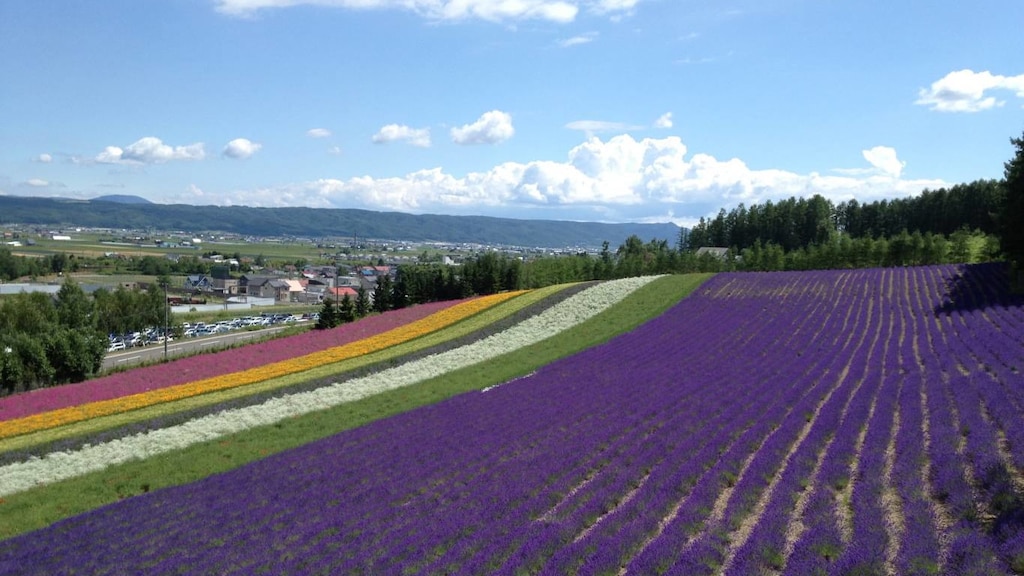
(57, 466)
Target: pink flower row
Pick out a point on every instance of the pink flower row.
(202, 366)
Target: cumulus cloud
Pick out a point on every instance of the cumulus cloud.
(44, 158)
(419, 137)
(318, 132)
(884, 159)
(37, 182)
(664, 121)
(968, 91)
(558, 11)
(150, 150)
(492, 127)
(241, 148)
(618, 179)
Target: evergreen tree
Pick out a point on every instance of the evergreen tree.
(328, 316)
(399, 293)
(1011, 218)
(382, 294)
(362, 304)
(346, 310)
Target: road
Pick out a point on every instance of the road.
(155, 352)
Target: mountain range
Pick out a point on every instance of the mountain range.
(133, 212)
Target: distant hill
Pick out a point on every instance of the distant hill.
(122, 199)
(318, 222)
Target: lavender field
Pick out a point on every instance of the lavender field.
(833, 422)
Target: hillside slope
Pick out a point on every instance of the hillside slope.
(320, 223)
(849, 421)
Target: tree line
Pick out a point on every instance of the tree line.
(930, 228)
(13, 267)
(798, 223)
(48, 340)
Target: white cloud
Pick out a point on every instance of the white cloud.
(196, 194)
(44, 158)
(37, 182)
(241, 148)
(318, 132)
(884, 159)
(591, 127)
(605, 6)
(494, 10)
(400, 133)
(577, 40)
(616, 9)
(559, 11)
(150, 150)
(334, 150)
(110, 155)
(618, 179)
(968, 91)
(492, 127)
(664, 121)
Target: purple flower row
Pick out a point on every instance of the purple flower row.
(787, 422)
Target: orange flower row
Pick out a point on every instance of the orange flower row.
(432, 323)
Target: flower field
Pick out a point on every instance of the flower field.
(184, 370)
(59, 465)
(231, 379)
(833, 422)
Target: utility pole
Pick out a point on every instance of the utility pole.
(166, 308)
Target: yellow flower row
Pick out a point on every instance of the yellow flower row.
(463, 328)
(381, 341)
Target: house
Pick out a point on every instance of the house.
(295, 287)
(313, 294)
(264, 287)
(341, 292)
(198, 282)
(375, 271)
(312, 272)
(350, 281)
(715, 251)
(226, 286)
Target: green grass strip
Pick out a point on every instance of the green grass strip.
(45, 505)
(462, 328)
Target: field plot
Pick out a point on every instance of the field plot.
(841, 422)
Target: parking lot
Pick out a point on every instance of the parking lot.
(190, 330)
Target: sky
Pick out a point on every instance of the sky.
(588, 110)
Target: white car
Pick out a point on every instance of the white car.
(116, 346)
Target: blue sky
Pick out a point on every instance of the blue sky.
(601, 110)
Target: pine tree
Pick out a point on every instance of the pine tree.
(382, 294)
(327, 318)
(362, 306)
(346, 310)
(1012, 215)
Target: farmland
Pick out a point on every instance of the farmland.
(857, 421)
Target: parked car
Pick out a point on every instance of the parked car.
(116, 346)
